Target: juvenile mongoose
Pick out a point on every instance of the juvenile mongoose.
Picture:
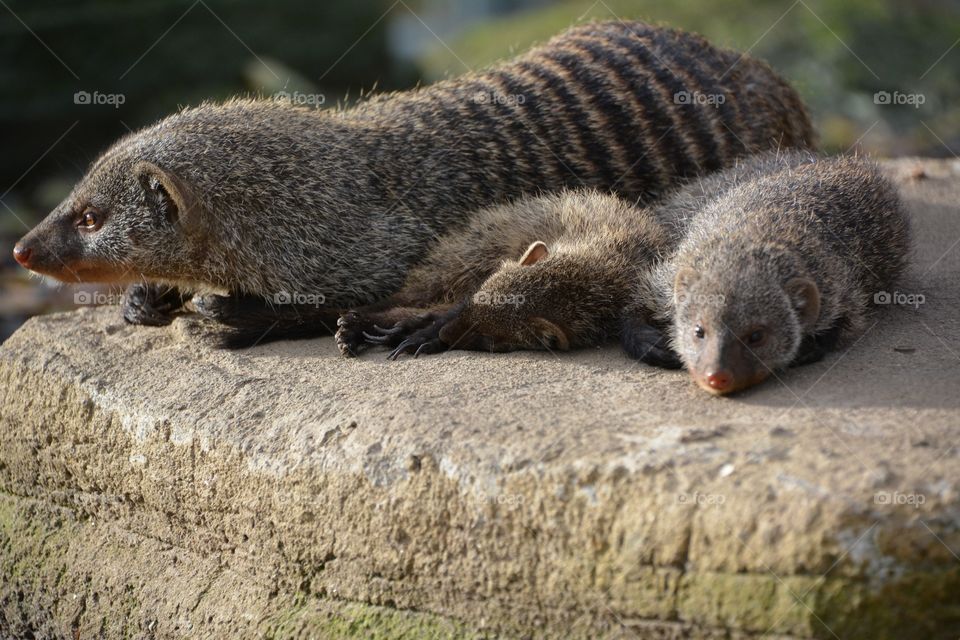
(775, 270)
(547, 272)
(270, 203)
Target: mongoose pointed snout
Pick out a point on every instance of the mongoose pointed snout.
(719, 381)
(21, 253)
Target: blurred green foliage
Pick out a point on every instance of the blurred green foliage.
(838, 53)
(159, 55)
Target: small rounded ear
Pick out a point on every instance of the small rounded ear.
(167, 193)
(552, 336)
(805, 297)
(683, 279)
(536, 252)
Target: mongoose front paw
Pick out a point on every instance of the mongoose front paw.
(358, 330)
(425, 340)
(810, 351)
(350, 334)
(391, 334)
(648, 345)
(150, 304)
(214, 307)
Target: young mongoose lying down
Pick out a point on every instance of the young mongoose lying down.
(547, 272)
(254, 204)
(778, 261)
(775, 271)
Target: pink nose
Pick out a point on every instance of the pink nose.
(22, 254)
(720, 380)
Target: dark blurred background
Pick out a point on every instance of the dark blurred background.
(879, 75)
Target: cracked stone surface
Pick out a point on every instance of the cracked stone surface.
(153, 487)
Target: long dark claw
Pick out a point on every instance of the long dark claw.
(397, 328)
(427, 348)
(401, 348)
(376, 339)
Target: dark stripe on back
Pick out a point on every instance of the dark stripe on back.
(440, 119)
(608, 119)
(594, 145)
(550, 169)
(708, 75)
(486, 123)
(714, 139)
(666, 133)
(561, 139)
(630, 127)
(520, 131)
(692, 145)
(674, 70)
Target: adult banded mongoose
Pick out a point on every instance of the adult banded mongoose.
(546, 272)
(257, 203)
(777, 269)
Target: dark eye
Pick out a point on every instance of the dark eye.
(89, 220)
(699, 332)
(758, 336)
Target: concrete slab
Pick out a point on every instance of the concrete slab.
(153, 487)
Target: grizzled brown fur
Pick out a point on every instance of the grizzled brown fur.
(542, 272)
(268, 202)
(781, 264)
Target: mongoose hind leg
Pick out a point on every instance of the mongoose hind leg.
(648, 344)
(152, 304)
(251, 320)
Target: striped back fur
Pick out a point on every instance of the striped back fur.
(619, 106)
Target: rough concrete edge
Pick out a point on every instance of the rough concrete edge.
(30, 565)
(842, 598)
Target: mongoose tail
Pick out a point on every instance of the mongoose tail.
(780, 269)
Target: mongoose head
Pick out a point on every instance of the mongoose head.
(735, 325)
(512, 310)
(126, 219)
(192, 200)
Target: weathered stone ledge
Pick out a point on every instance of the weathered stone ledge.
(153, 487)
